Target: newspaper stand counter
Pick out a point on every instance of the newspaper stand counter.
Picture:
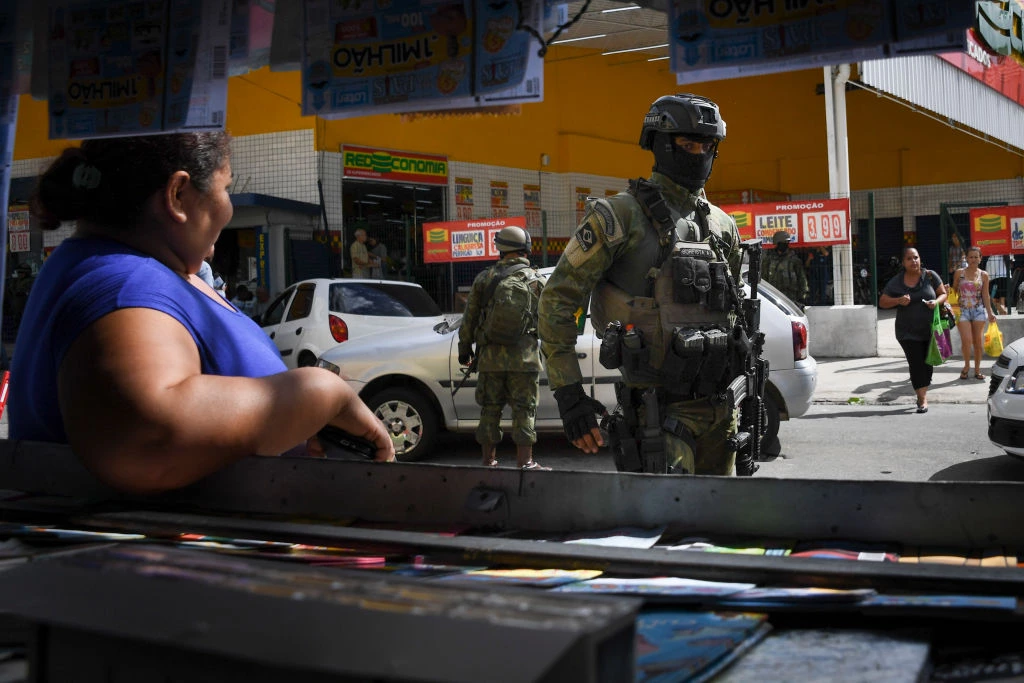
(301, 500)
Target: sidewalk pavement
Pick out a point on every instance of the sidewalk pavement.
(885, 379)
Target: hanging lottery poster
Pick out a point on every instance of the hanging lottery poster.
(998, 230)
(456, 241)
(582, 194)
(531, 206)
(463, 198)
(810, 223)
(499, 198)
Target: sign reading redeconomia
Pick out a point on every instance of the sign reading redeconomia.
(809, 222)
(453, 241)
(998, 230)
(383, 164)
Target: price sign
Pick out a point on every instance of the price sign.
(825, 227)
(20, 241)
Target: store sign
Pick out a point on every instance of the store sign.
(382, 164)
(1003, 74)
(999, 27)
(458, 241)
(998, 230)
(810, 223)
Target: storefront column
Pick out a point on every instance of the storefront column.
(839, 174)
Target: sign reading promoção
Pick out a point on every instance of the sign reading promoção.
(810, 222)
(457, 241)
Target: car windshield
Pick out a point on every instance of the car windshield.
(382, 299)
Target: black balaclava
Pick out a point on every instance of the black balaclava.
(689, 170)
(782, 247)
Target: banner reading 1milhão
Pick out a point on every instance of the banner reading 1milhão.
(456, 241)
(998, 230)
(809, 222)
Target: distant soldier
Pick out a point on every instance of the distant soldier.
(501, 319)
(784, 269)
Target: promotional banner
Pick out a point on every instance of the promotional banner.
(998, 230)
(810, 223)
(458, 241)
(383, 164)
(715, 39)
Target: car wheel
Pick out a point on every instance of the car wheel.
(306, 360)
(770, 444)
(410, 420)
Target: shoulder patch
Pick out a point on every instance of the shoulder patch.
(608, 216)
(601, 213)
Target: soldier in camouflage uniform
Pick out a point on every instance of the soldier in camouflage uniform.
(784, 269)
(509, 374)
(618, 256)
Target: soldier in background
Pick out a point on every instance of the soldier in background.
(662, 266)
(784, 269)
(501, 320)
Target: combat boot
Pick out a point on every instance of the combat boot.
(489, 459)
(524, 458)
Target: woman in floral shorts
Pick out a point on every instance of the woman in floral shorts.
(971, 284)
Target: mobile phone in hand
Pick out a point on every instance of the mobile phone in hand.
(340, 444)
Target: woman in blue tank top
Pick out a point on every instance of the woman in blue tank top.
(127, 355)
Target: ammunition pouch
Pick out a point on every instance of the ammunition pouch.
(610, 354)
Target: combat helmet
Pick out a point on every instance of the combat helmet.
(512, 239)
(682, 114)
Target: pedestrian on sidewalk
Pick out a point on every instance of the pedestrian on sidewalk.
(914, 293)
(971, 285)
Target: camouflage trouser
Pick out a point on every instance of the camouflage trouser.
(711, 423)
(519, 390)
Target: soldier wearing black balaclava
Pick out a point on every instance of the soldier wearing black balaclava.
(661, 267)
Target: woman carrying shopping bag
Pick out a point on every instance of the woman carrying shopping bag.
(914, 293)
(971, 284)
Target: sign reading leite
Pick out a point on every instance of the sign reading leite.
(451, 241)
(816, 222)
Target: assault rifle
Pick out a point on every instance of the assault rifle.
(748, 388)
(466, 373)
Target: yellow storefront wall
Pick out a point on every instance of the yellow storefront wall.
(590, 123)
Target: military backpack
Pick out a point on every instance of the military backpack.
(510, 305)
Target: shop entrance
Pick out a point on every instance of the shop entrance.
(394, 214)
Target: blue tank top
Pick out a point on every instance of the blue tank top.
(84, 280)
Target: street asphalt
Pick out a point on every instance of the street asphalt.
(881, 379)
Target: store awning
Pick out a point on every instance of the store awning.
(266, 201)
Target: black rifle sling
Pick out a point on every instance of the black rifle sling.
(492, 286)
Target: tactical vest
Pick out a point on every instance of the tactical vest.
(676, 291)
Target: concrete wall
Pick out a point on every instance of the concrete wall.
(842, 331)
(1012, 327)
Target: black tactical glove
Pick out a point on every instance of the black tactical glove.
(465, 355)
(577, 410)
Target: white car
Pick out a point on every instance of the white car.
(312, 316)
(408, 380)
(1006, 400)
